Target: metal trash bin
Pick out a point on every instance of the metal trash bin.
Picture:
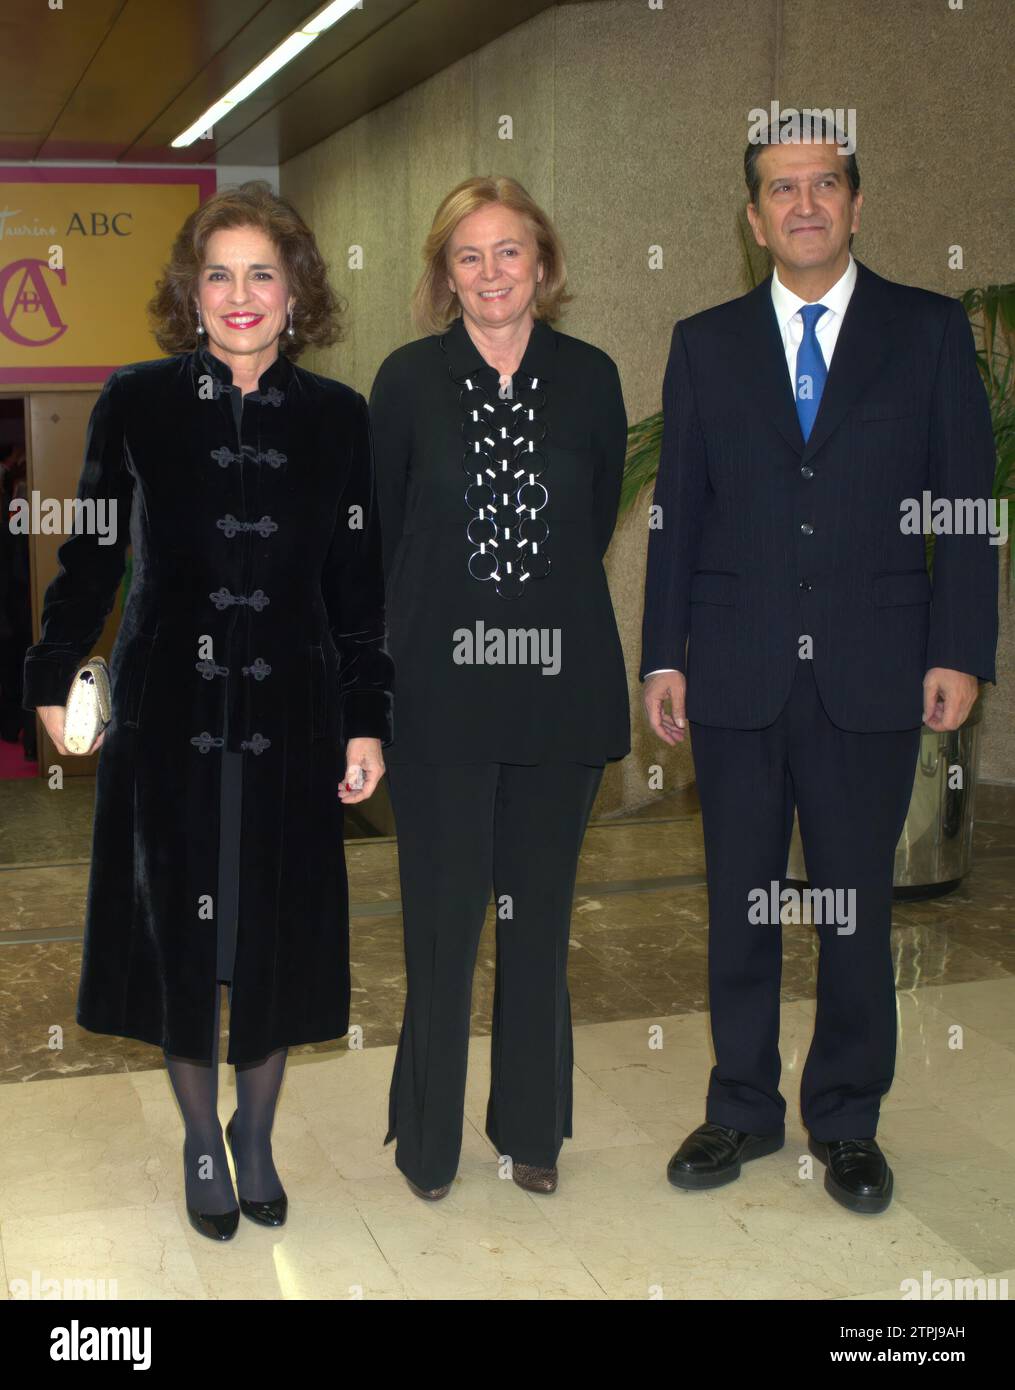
(934, 852)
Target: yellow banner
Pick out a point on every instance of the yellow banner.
(80, 252)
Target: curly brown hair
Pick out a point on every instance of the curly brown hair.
(317, 310)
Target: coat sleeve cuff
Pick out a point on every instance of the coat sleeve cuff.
(47, 681)
(657, 661)
(367, 714)
(978, 664)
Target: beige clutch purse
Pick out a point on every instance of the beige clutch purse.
(89, 706)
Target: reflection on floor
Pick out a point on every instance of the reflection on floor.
(89, 1166)
(14, 763)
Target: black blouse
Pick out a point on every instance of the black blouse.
(495, 517)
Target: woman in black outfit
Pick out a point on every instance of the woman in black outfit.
(499, 447)
(249, 679)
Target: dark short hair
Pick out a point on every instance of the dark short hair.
(317, 311)
(832, 135)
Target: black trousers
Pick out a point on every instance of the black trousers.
(463, 828)
(852, 792)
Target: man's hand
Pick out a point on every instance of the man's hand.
(669, 725)
(362, 753)
(948, 696)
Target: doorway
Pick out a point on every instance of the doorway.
(18, 742)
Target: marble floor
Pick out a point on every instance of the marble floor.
(90, 1135)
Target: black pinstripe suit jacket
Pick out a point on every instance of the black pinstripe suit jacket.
(763, 542)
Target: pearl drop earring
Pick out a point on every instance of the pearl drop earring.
(200, 325)
(291, 333)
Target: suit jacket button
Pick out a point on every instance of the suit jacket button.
(806, 529)
(806, 584)
(806, 471)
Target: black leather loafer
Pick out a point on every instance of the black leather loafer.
(270, 1213)
(856, 1173)
(711, 1156)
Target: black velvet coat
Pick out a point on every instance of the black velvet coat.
(255, 622)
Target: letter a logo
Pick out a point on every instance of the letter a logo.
(29, 301)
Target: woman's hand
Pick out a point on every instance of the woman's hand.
(362, 753)
(53, 717)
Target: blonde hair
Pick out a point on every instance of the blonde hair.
(434, 305)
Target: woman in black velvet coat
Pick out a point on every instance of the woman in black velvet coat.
(249, 677)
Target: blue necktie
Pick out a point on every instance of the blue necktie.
(811, 371)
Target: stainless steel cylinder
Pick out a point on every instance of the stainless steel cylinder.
(935, 848)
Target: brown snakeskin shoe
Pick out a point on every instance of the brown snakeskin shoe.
(534, 1179)
(433, 1195)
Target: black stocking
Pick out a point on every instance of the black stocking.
(257, 1088)
(209, 1187)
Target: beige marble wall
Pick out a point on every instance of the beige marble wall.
(628, 126)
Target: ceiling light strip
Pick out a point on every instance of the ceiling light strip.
(267, 67)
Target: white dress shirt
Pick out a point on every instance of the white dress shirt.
(787, 306)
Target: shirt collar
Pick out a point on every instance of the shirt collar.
(786, 303)
(465, 359)
(278, 375)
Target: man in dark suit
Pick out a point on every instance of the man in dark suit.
(799, 421)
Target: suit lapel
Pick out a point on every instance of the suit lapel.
(860, 350)
(765, 364)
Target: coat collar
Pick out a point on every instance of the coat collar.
(465, 359)
(279, 375)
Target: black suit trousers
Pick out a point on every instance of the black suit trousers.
(851, 792)
(462, 829)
